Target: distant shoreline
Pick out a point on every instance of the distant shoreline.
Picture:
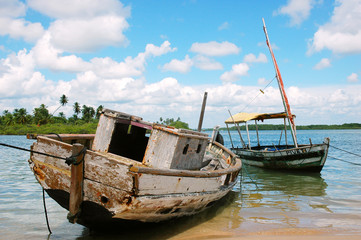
(90, 128)
(300, 127)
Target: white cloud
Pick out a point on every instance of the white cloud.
(156, 51)
(215, 48)
(47, 56)
(86, 35)
(87, 25)
(19, 28)
(343, 33)
(237, 71)
(206, 63)
(297, 10)
(12, 9)
(223, 26)
(324, 63)
(182, 66)
(79, 8)
(353, 78)
(251, 58)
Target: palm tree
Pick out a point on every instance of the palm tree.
(76, 108)
(41, 115)
(8, 118)
(63, 101)
(21, 116)
(62, 115)
(99, 110)
(88, 113)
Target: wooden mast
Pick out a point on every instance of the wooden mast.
(282, 89)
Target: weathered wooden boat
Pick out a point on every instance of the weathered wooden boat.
(125, 172)
(307, 157)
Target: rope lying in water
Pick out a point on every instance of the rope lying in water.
(68, 160)
(358, 164)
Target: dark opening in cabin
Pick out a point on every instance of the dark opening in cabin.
(129, 141)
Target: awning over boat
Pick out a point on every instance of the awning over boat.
(244, 117)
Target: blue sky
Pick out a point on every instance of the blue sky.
(156, 58)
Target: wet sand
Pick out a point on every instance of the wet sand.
(275, 234)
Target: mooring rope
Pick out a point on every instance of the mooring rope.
(346, 151)
(244, 167)
(46, 212)
(358, 164)
(345, 161)
(68, 160)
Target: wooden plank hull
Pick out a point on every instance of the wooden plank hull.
(115, 187)
(304, 158)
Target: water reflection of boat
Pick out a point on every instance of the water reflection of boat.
(309, 184)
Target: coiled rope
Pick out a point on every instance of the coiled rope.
(358, 155)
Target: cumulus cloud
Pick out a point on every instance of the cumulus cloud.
(21, 29)
(324, 63)
(206, 63)
(85, 26)
(343, 33)
(237, 71)
(12, 9)
(182, 66)
(47, 56)
(297, 10)
(251, 58)
(215, 48)
(11, 24)
(86, 35)
(79, 8)
(353, 78)
(156, 51)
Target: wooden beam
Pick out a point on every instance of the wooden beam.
(76, 185)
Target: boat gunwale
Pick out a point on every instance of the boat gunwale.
(300, 147)
(138, 167)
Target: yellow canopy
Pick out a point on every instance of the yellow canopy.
(244, 117)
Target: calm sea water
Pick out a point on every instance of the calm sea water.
(263, 200)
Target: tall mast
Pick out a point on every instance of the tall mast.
(286, 105)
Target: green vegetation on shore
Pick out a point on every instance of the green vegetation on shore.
(84, 120)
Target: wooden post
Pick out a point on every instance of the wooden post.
(76, 185)
(255, 121)
(202, 112)
(249, 140)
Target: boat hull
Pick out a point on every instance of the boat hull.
(309, 158)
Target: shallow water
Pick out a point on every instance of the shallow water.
(262, 201)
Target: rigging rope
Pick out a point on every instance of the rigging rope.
(261, 91)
